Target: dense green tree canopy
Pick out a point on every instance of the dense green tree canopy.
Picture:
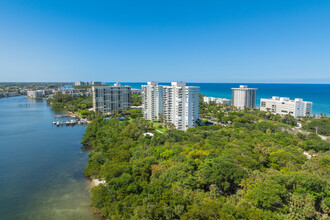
(321, 126)
(254, 168)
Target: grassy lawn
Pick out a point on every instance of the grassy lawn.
(156, 124)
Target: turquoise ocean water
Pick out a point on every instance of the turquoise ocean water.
(319, 94)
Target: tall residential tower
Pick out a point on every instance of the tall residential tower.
(111, 98)
(178, 103)
(244, 97)
(152, 104)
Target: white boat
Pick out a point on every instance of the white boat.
(54, 122)
(58, 123)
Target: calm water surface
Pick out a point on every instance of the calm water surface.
(41, 165)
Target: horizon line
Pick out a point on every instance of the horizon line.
(307, 83)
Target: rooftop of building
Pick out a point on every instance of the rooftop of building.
(173, 84)
(284, 99)
(216, 98)
(117, 84)
(244, 87)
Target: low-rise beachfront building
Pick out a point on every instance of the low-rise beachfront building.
(69, 91)
(9, 94)
(111, 98)
(283, 106)
(35, 93)
(80, 83)
(94, 83)
(225, 101)
(38, 93)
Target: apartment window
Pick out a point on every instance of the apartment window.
(274, 108)
(263, 104)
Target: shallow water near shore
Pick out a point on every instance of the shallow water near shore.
(41, 165)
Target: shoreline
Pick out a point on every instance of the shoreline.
(95, 182)
(73, 115)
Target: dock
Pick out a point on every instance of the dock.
(67, 122)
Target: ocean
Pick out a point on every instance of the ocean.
(319, 94)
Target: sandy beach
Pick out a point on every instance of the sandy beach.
(96, 182)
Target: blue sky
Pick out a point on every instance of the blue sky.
(194, 41)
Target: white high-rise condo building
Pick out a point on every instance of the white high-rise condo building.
(181, 105)
(152, 101)
(284, 106)
(109, 98)
(244, 97)
(178, 103)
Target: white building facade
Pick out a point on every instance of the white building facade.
(283, 106)
(152, 101)
(81, 83)
(93, 83)
(111, 98)
(225, 101)
(35, 93)
(244, 97)
(39, 93)
(178, 103)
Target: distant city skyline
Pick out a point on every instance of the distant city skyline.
(139, 41)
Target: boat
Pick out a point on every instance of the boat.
(60, 116)
(58, 123)
(62, 122)
(54, 122)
